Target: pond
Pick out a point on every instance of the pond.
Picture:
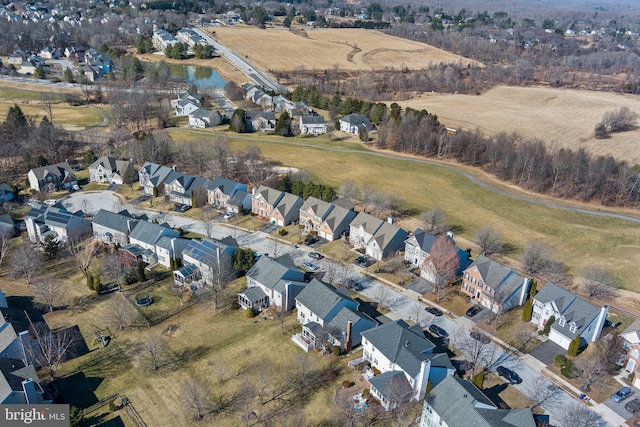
(202, 77)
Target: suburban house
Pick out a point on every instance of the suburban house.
(495, 286)
(221, 191)
(158, 243)
(379, 239)
(257, 95)
(456, 402)
(631, 343)
(274, 282)
(13, 345)
(113, 228)
(19, 384)
(108, 170)
(329, 315)
(55, 220)
(162, 39)
(573, 316)
(152, 177)
(329, 219)
(354, 123)
(204, 118)
(418, 247)
(6, 193)
(281, 104)
(186, 189)
(264, 121)
(98, 61)
(312, 125)
(52, 177)
(187, 106)
(204, 259)
(277, 206)
(405, 360)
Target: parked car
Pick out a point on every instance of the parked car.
(508, 375)
(622, 394)
(438, 331)
(472, 311)
(351, 283)
(310, 266)
(433, 311)
(633, 406)
(315, 255)
(144, 197)
(182, 208)
(479, 336)
(228, 215)
(310, 240)
(358, 287)
(75, 187)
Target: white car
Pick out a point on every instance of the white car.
(310, 266)
(229, 215)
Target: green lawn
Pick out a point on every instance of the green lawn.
(579, 240)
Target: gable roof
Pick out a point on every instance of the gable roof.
(226, 186)
(54, 216)
(319, 207)
(270, 195)
(402, 344)
(320, 298)
(59, 169)
(393, 385)
(311, 120)
(337, 215)
(275, 273)
(150, 233)
(370, 223)
(499, 277)
(632, 333)
(208, 249)
(459, 403)
(288, 203)
(385, 234)
(157, 173)
(423, 239)
(338, 325)
(115, 221)
(357, 120)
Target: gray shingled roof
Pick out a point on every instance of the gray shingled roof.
(385, 234)
(338, 325)
(319, 207)
(149, 233)
(226, 186)
(320, 298)
(404, 345)
(579, 312)
(499, 277)
(312, 120)
(111, 163)
(270, 195)
(424, 239)
(460, 404)
(254, 294)
(288, 203)
(553, 292)
(337, 215)
(59, 169)
(357, 119)
(368, 222)
(275, 273)
(7, 333)
(114, 221)
(393, 385)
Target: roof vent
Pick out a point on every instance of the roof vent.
(406, 343)
(464, 395)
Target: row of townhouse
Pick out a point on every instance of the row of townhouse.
(188, 104)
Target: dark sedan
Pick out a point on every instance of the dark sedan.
(508, 375)
(433, 311)
(438, 331)
(473, 311)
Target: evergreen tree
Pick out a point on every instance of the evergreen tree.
(533, 290)
(140, 274)
(478, 380)
(574, 347)
(97, 284)
(39, 72)
(237, 122)
(50, 246)
(527, 311)
(283, 125)
(547, 326)
(68, 76)
(90, 281)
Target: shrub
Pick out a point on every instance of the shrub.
(235, 305)
(283, 232)
(574, 347)
(631, 376)
(567, 369)
(375, 370)
(90, 281)
(365, 392)
(250, 313)
(560, 360)
(112, 406)
(527, 311)
(547, 327)
(337, 350)
(347, 383)
(140, 274)
(478, 380)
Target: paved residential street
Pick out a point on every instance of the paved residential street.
(402, 304)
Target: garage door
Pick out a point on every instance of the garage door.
(561, 340)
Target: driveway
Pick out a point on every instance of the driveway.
(546, 351)
(90, 203)
(618, 408)
(420, 286)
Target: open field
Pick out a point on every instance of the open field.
(69, 117)
(319, 49)
(563, 116)
(579, 240)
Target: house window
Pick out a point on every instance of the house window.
(481, 283)
(464, 286)
(562, 321)
(473, 280)
(572, 327)
(466, 275)
(471, 290)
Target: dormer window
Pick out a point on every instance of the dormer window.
(572, 327)
(562, 321)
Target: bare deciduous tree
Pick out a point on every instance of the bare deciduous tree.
(4, 247)
(593, 370)
(208, 218)
(26, 262)
(349, 190)
(119, 312)
(575, 414)
(479, 353)
(49, 292)
(217, 275)
(49, 349)
(83, 253)
(597, 283)
(434, 220)
(540, 391)
(418, 315)
(522, 336)
(154, 352)
(196, 397)
(443, 261)
(383, 296)
(489, 240)
(536, 257)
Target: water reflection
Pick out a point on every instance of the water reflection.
(202, 77)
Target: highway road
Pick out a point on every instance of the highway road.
(260, 77)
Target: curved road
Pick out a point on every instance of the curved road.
(442, 165)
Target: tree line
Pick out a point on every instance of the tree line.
(528, 163)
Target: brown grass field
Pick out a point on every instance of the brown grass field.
(319, 49)
(564, 117)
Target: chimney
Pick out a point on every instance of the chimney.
(390, 219)
(450, 234)
(174, 168)
(347, 338)
(406, 343)
(600, 322)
